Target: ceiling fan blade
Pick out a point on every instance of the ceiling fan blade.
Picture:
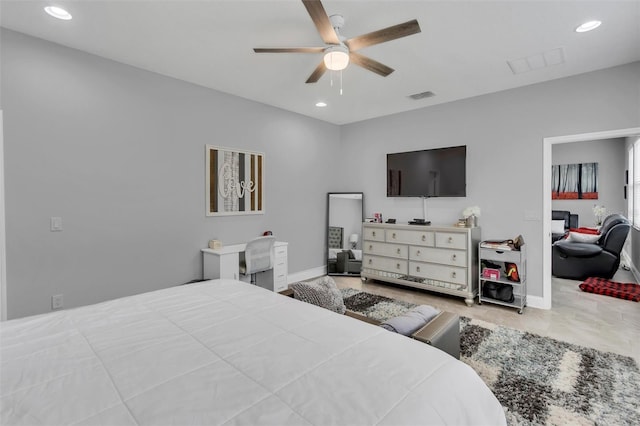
(317, 73)
(370, 64)
(289, 49)
(387, 34)
(322, 21)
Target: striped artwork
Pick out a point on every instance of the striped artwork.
(235, 181)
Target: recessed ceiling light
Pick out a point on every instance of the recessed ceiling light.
(58, 12)
(588, 26)
(321, 104)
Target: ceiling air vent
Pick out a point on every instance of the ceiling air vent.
(422, 95)
(534, 62)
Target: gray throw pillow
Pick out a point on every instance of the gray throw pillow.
(321, 292)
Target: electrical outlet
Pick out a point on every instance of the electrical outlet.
(56, 301)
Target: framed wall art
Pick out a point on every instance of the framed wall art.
(574, 181)
(234, 181)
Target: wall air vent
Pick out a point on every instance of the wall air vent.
(422, 95)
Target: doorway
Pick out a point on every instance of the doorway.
(3, 245)
(546, 195)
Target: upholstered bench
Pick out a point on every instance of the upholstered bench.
(442, 332)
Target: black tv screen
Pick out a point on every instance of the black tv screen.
(437, 172)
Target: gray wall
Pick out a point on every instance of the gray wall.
(611, 156)
(504, 133)
(119, 154)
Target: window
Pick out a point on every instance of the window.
(634, 183)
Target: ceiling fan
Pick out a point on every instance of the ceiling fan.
(339, 50)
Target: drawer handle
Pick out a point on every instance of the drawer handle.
(453, 257)
(450, 240)
(373, 233)
(424, 238)
(453, 274)
(393, 235)
(397, 266)
(398, 251)
(418, 253)
(417, 269)
(370, 246)
(370, 261)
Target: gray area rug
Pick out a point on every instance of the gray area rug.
(538, 380)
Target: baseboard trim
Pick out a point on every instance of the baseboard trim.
(635, 272)
(627, 261)
(537, 302)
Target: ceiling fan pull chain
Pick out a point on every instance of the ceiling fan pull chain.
(340, 82)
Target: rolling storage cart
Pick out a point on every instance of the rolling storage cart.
(502, 275)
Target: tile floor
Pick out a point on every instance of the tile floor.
(601, 322)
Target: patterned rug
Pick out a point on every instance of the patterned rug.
(627, 291)
(538, 380)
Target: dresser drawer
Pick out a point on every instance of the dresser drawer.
(436, 255)
(418, 237)
(383, 249)
(280, 267)
(500, 255)
(280, 252)
(451, 240)
(373, 234)
(280, 272)
(280, 283)
(432, 271)
(385, 264)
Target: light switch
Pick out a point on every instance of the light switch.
(56, 224)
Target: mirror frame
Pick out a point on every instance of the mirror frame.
(326, 246)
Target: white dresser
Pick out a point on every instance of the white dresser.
(443, 259)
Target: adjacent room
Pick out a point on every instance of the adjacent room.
(319, 212)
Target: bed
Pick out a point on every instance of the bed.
(226, 352)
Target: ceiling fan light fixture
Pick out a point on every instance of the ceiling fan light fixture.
(58, 12)
(336, 57)
(588, 26)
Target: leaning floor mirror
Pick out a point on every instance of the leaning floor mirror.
(345, 214)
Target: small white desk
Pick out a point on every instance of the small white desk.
(225, 263)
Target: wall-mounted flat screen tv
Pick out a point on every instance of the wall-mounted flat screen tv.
(437, 172)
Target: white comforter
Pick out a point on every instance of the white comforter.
(226, 352)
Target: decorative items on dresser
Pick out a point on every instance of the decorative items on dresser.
(442, 259)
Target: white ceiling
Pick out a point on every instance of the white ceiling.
(461, 52)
